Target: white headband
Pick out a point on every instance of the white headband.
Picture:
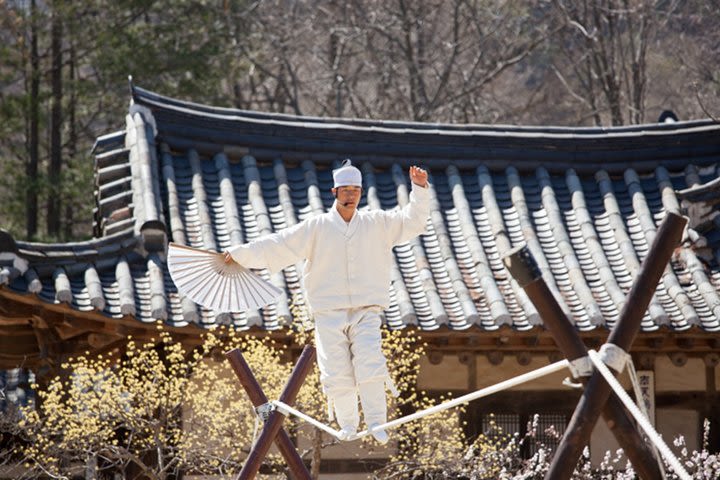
(347, 175)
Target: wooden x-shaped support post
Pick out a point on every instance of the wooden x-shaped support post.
(596, 397)
(272, 429)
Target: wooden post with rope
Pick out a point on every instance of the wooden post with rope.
(597, 390)
(272, 429)
(522, 266)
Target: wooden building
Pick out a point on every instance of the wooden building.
(587, 201)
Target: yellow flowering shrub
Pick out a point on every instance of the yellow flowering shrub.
(162, 408)
(159, 410)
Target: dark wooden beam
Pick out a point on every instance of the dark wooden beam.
(99, 341)
(16, 330)
(10, 309)
(26, 359)
(597, 391)
(686, 400)
(13, 320)
(19, 344)
(522, 266)
(272, 430)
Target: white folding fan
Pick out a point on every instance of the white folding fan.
(205, 278)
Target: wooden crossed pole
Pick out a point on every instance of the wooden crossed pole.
(272, 429)
(596, 397)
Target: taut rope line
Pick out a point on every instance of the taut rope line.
(498, 387)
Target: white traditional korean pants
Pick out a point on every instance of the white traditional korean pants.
(351, 362)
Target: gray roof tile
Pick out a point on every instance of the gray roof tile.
(587, 201)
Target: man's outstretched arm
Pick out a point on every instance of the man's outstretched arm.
(409, 222)
(275, 251)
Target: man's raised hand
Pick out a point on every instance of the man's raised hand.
(418, 176)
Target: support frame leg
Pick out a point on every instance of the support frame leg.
(597, 392)
(523, 268)
(272, 430)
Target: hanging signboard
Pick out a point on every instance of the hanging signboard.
(646, 379)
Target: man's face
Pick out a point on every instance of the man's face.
(348, 196)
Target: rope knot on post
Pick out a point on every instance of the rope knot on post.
(581, 367)
(267, 411)
(614, 357)
(263, 411)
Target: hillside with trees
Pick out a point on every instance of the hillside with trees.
(64, 68)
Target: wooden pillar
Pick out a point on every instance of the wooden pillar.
(272, 430)
(597, 391)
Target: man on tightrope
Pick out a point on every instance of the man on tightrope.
(346, 278)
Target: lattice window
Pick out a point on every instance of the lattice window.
(545, 430)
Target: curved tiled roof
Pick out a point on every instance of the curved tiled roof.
(587, 201)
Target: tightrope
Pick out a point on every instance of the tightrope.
(597, 362)
(498, 387)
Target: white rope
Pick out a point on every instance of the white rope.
(641, 419)
(255, 430)
(498, 387)
(286, 409)
(616, 357)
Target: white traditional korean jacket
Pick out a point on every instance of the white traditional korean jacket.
(347, 265)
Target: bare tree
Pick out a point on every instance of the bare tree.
(444, 54)
(697, 52)
(606, 44)
(418, 60)
(487, 61)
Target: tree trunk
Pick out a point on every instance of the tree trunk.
(31, 167)
(72, 143)
(91, 467)
(55, 167)
(317, 453)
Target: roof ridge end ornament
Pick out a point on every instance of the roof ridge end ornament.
(140, 141)
(154, 237)
(131, 86)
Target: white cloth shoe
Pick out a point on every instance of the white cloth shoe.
(347, 432)
(381, 436)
